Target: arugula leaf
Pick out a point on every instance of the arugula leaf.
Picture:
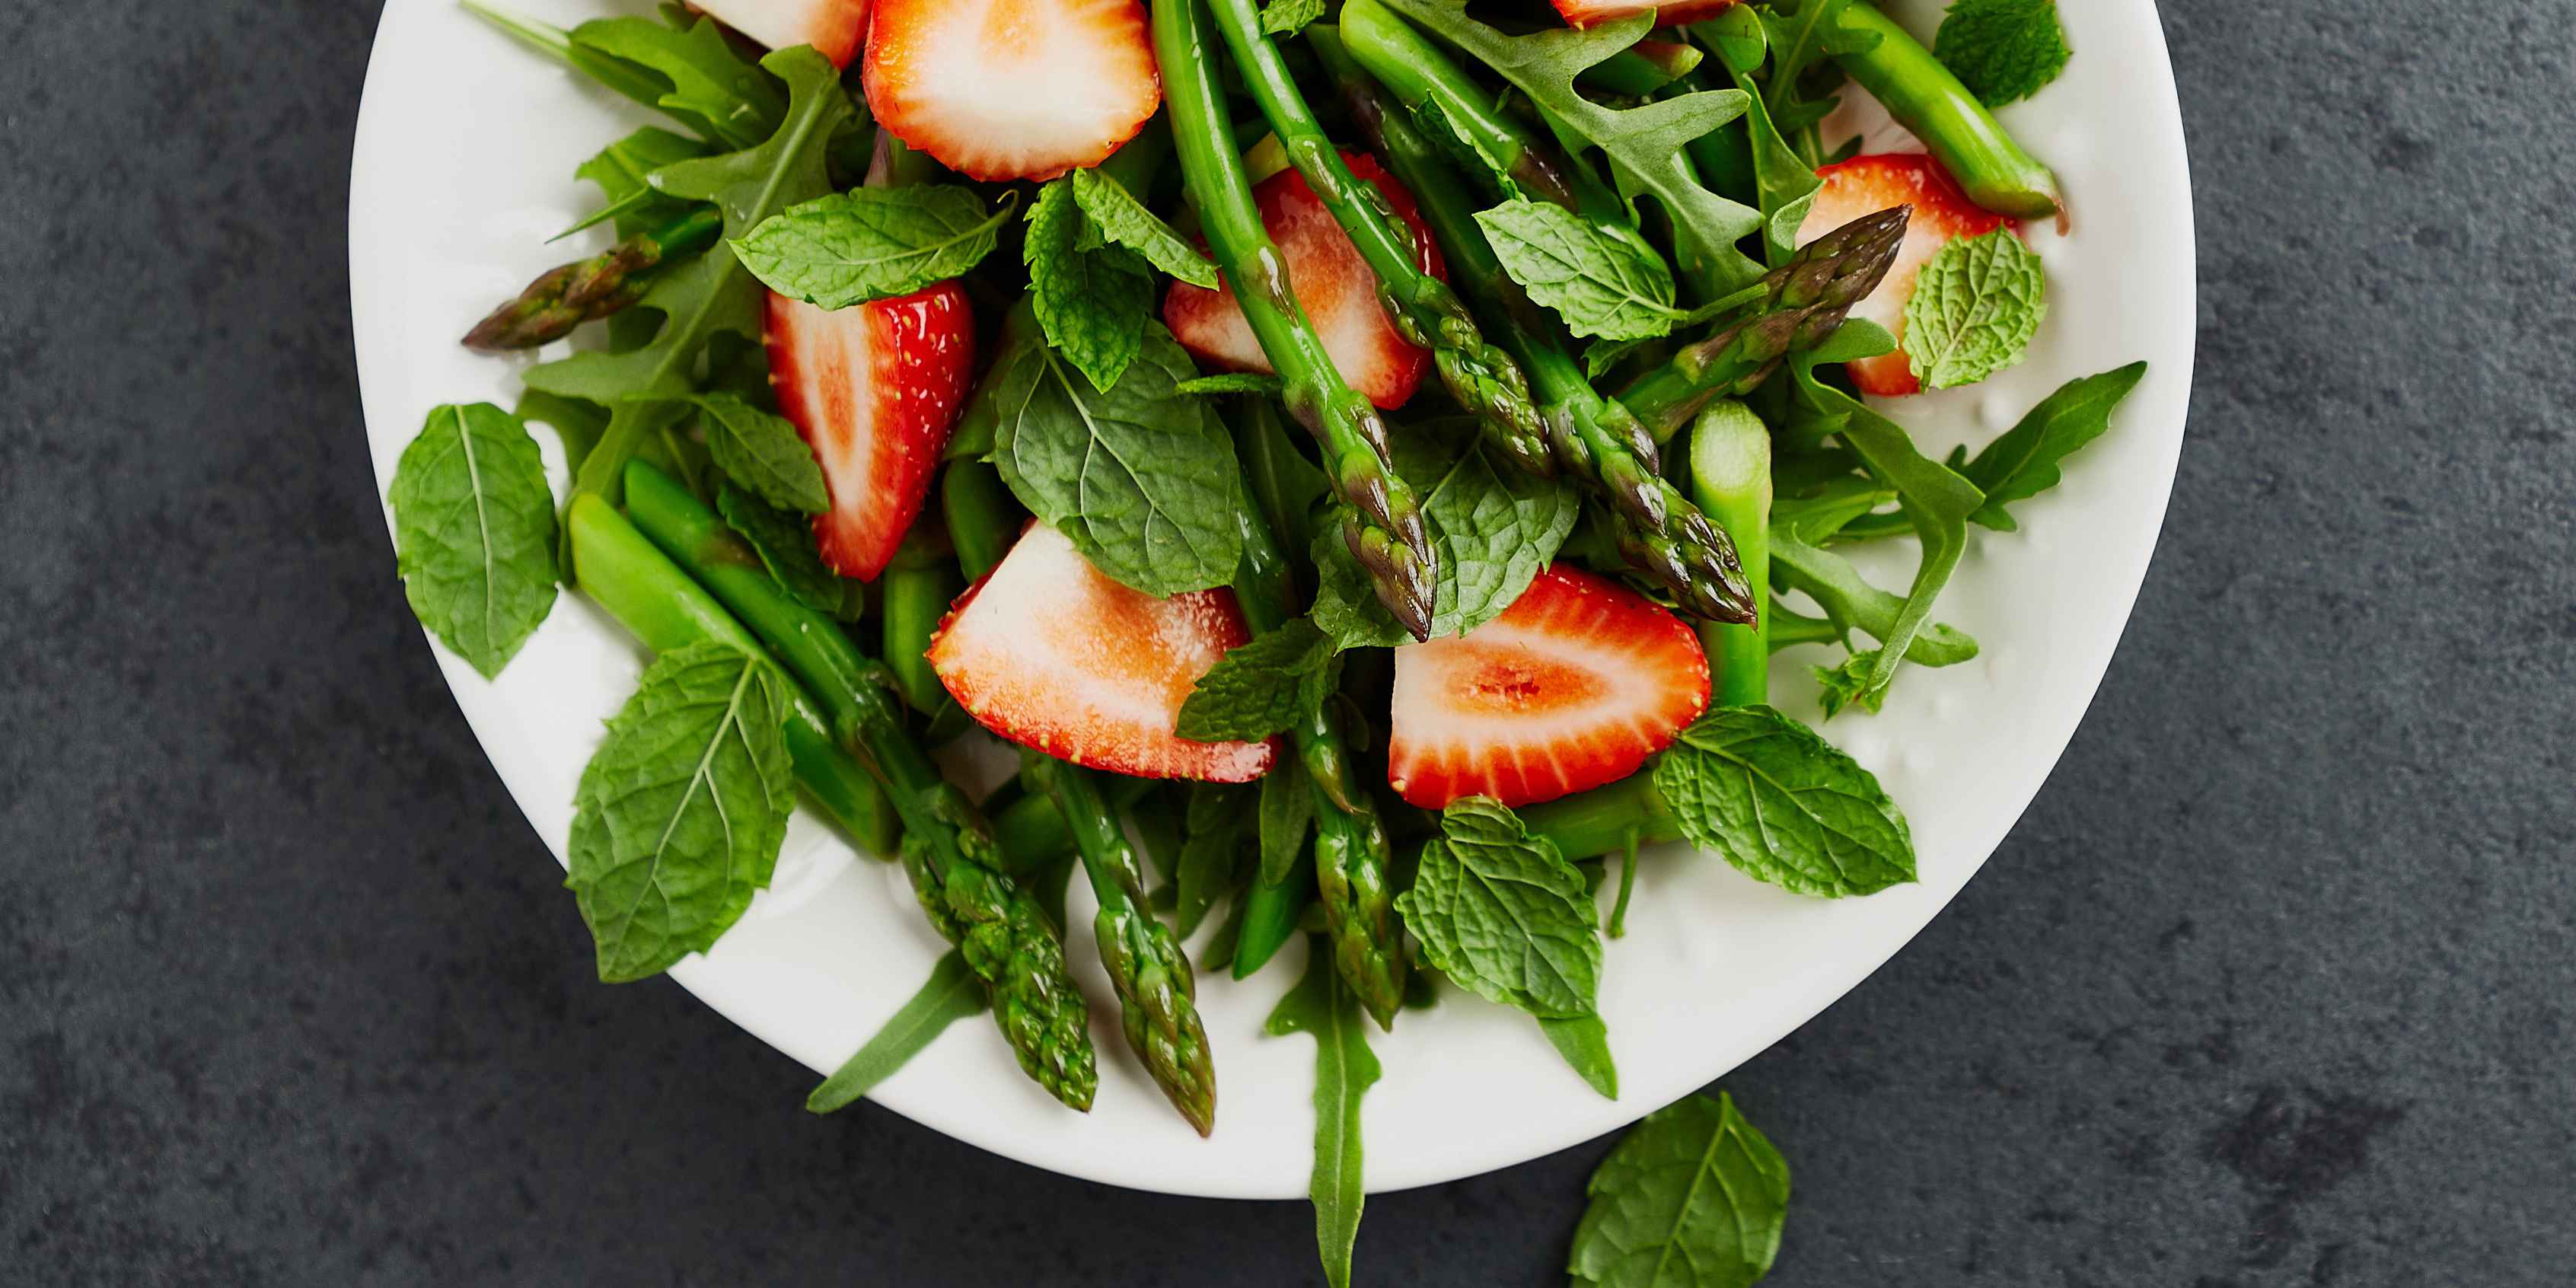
(682, 810)
(2002, 50)
(1288, 17)
(1093, 304)
(1848, 684)
(762, 451)
(1784, 184)
(1323, 1006)
(1975, 308)
(952, 993)
(1783, 805)
(2022, 463)
(1260, 688)
(1287, 816)
(577, 423)
(1694, 1195)
(1141, 478)
(1493, 526)
(1122, 220)
(1814, 519)
(1851, 603)
(474, 532)
(1736, 35)
(711, 89)
(621, 172)
(1220, 822)
(784, 542)
(1502, 914)
(1602, 283)
(867, 244)
(1234, 382)
(1802, 33)
(1584, 1041)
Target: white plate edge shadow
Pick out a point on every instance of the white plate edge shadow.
(1450, 1101)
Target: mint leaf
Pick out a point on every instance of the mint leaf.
(1092, 304)
(1848, 684)
(1120, 219)
(1502, 914)
(783, 540)
(871, 243)
(1974, 310)
(1584, 1041)
(711, 89)
(1140, 478)
(2002, 50)
(2022, 463)
(474, 532)
(1234, 382)
(682, 810)
(1692, 1196)
(1601, 282)
(762, 451)
(952, 993)
(1287, 816)
(1492, 525)
(1261, 688)
(1288, 17)
(1322, 1005)
(1783, 805)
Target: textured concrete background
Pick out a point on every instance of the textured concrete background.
(2271, 987)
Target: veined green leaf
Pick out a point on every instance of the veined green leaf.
(952, 993)
(712, 89)
(2002, 50)
(1602, 281)
(1093, 304)
(763, 452)
(1974, 309)
(1323, 1006)
(474, 532)
(2022, 462)
(1122, 220)
(1783, 805)
(1260, 688)
(1504, 915)
(866, 244)
(1693, 1196)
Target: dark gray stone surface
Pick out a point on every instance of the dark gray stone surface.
(2271, 987)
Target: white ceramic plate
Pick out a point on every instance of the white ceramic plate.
(465, 151)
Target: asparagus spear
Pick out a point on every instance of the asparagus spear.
(1730, 458)
(1483, 378)
(1927, 99)
(587, 290)
(1384, 527)
(948, 848)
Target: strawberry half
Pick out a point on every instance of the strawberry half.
(1012, 89)
(1672, 13)
(874, 389)
(1573, 686)
(1049, 653)
(1332, 283)
(832, 27)
(1869, 184)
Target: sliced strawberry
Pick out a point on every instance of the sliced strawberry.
(1573, 686)
(874, 389)
(832, 27)
(1670, 13)
(1869, 184)
(1331, 282)
(1049, 653)
(1012, 89)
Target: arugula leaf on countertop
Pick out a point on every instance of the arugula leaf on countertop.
(1322, 1006)
(1094, 305)
(1783, 805)
(2022, 462)
(867, 244)
(1504, 915)
(1262, 687)
(1974, 309)
(763, 452)
(1122, 220)
(1603, 281)
(1692, 1196)
(952, 993)
(2002, 50)
(682, 810)
(474, 532)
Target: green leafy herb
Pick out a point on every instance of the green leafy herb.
(1322, 1005)
(1233, 382)
(784, 542)
(871, 243)
(1141, 478)
(622, 170)
(1784, 183)
(1261, 688)
(1604, 281)
(474, 532)
(681, 810)
(2002, 50)
(763, 452)
(1784, 805)
(1848, 684)
(1504, 915)
(712, 89)
(1803, 33)
(577, 423)
(1287, 816)
(952, 993)
(1851, 603)
(1093, 304)
(1693, 1196)
(1737, 37)
(1584, 1041)
(2022, 462)
(1974, 310)
(1288, 17)
(1122, 220)
(1220, 828)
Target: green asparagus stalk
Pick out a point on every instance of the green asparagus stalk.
(948, 847)
(914, 594)
(1423, 79)
(1927, 99)
(1383, 526)
(1644, 67)
(974, 488)
(1144, 959)
(564, 297)
(1483, 378)
(1730, 459)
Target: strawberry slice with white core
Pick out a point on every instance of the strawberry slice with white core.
(1869, 184)
(1332, 283)
(875, 389)
(1673, 13)
(1573, 686)
(832, 27)
(1012, 89)
(1048, 652)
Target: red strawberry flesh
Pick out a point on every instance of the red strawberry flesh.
(832, 27)
(1012, 89)
(1672, 13)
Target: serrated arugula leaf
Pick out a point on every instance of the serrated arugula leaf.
(762, 451)
(1847, 685)
(622, 172)
(2002, 50)
(1504, 915)
(474, 532)
(1602, 281)
(2022, 463)
(1803, 33)
(1093, 304)
(783, 540)
(1974, 309)
(1692, 1196)
(712, 89)
(1260, 688)
(1851, 603)
(1323, 1006)
(1492, 526)
(1287, 817)
(1140, 478)
(1784, 184)
(1783, 805)
(952, 993)
(1288, 17)
(1233, 382)
(1122, 220)
(867, 244)
(682, 810)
